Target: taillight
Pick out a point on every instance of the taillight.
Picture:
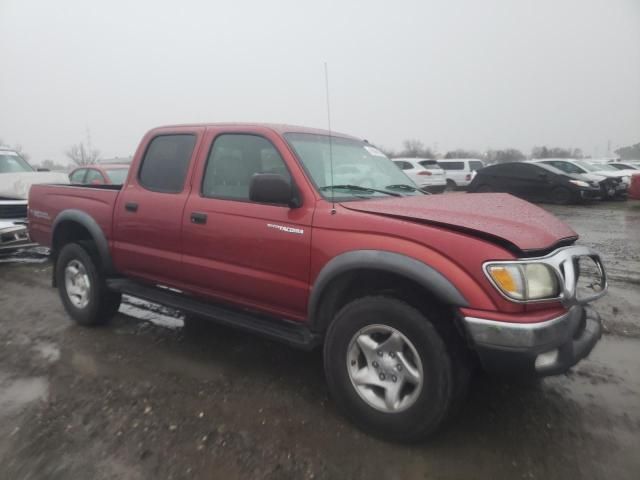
(468, 177)
(424, 172)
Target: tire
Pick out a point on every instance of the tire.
(422, 409)
(95, 305)
(451, 186)
(562, 195)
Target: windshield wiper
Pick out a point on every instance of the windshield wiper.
(404, 186)
(358, 188)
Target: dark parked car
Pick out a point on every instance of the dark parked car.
(535, 182)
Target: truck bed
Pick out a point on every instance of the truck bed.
(46, 201)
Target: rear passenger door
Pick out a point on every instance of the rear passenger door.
(148, 212)
(240, 251)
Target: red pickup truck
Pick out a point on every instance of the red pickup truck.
(316, 238)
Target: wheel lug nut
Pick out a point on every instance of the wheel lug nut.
(399, 367)
(375, 364)
(392, 354)
(382, 376)
(353, 362)
(380, 353)
(394, 378)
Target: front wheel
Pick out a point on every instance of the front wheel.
(82, 288)
(562, 195)
(388, 369)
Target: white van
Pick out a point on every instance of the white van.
(459, 171)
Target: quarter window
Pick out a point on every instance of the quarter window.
(78, 176)
(234, 159)
(166, 162)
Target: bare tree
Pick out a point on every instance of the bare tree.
(83, 155)
(461, 153)
(413, 148)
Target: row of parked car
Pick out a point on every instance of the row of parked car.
(558, 180)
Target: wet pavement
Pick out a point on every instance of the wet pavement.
(146, 397)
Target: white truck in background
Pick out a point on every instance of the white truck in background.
(16, 178)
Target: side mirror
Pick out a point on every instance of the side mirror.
(272, 188)
(40, 169)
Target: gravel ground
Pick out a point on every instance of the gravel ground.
(146, 397)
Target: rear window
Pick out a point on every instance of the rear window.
(452, 165)
(403, 165)
(430, 164)
(166, 162)
(475, 165)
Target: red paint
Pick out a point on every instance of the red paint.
(634, 188)
(235, 257)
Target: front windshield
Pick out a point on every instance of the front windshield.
(604, 166)
(117, 175)
(359, 169)
(11, 162)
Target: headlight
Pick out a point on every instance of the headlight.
(524, 281)
(626, 179)
(579, 183)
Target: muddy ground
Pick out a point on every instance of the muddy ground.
(147, 398)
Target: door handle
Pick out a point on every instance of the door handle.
(199, 218)
(131, 207)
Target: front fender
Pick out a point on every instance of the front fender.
(391, 262)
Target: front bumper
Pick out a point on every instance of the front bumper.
(545, 345)
(545, 348)
(591, 194)
(13, 236)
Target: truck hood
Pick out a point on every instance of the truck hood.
(497, 216)
(17, 185)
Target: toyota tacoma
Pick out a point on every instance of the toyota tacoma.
(257, 227)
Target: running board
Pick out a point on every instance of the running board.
(286, 331)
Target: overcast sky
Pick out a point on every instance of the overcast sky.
(469, 74)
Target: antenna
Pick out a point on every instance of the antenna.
(326, 82)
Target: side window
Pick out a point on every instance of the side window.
(234, 159)
(78, 176)
(452, 165)
(166, 162)
(94, 177)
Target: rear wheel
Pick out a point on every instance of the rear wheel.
(562, 195)
(82, 287)
(388, 369)
(451, 186)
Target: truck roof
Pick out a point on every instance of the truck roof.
(277, 127)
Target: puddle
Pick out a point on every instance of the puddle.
(610, 376)
(47, 351)
(151, 312)
(14, 394)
